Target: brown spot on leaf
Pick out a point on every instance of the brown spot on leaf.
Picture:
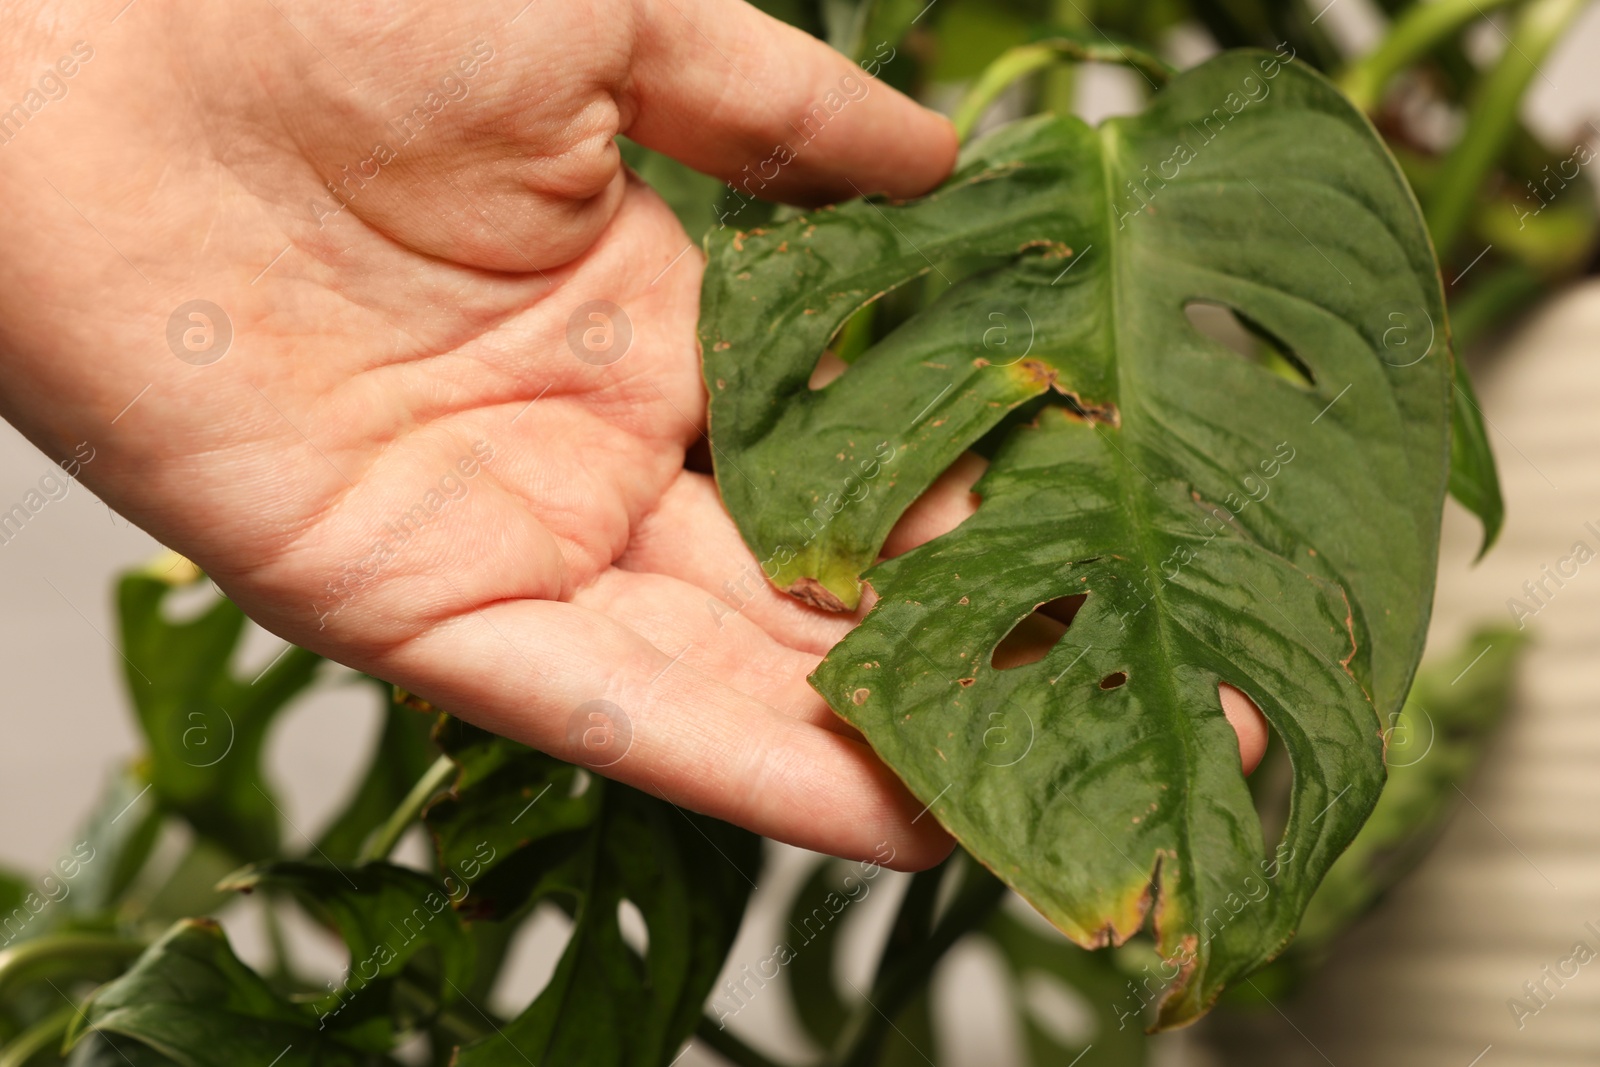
(860, 696)
(816, 594)
(1053, 249)
(1041, 373)
(965, 682)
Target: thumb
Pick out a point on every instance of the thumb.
(775, 112)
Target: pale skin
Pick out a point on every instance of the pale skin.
(375, 345)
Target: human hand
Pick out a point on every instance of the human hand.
(390, 437)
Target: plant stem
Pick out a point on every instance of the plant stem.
(1415, 34)
(862, 1037)
(461, 1027)
(90, 952)
(728, 1046)
(383, 839)
(36, 1038)
(913, 923)
(1492, 118)
(1026, 59)
(1017, 63)
(1059, 94)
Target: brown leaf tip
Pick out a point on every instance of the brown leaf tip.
(816, 594)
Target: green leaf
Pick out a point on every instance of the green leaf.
(191, 1001)
(404, 753)
(205, 727)
(384, 913)
(809, 974)
(521, 828)
(191, 886)
(606, 1006)
(973, 34)
(1118, 1034)
(117, 839)
(1474, 481)
(494, 829)
(1434, 746)
(99, 1050)
(1225, 524)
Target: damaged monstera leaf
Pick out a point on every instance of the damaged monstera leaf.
(1271, 523)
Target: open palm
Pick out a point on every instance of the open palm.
(357, 308)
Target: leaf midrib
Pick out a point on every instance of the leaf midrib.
(1106, 134)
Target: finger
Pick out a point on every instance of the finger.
(729, 647)
(690, 537)
(948, 503)
(775, 112)
(1248, 722)
(532, 670)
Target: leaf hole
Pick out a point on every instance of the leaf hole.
(828, 370)
(1058, 1009)
(1250, 340)
(531, 956)
(1114, 680)
(1032, 638)
(635, 931)
(1268, 770)
(853, 337)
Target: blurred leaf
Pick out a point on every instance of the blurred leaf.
(190, 887)
(804, 14)
(384, 913)
(205, 727)
(404, 753)
(491, 830)
(1501, 294)
(606, 1006)
(864, 28)
(15, 916)
(39, 1044)
(809, 974)
(1554, 238)
(1269, 24)
(911, 1042)
(972, 34)
(1117, 1038)
(118, 836)
(192, 1001)
(1493, 121)
(73, 956)
(99, 1050)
